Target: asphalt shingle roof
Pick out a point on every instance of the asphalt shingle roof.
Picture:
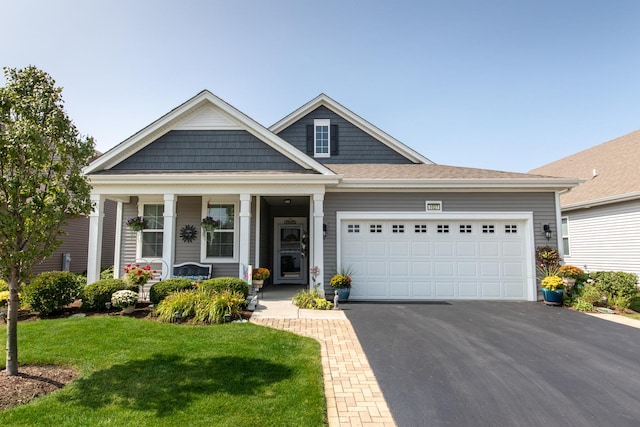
(617, 171)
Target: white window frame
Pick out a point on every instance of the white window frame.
(236, 230)
(317, 123)
(565, 220)
(141, 204)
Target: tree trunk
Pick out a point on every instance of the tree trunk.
(12, 329)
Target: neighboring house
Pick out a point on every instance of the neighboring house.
(71, 255)
(601, 216)
(321, 187)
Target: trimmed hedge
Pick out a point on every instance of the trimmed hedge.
(97, 294)
(49, 292)
(160, 290)
(220, 284)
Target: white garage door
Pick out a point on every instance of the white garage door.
(436, 259)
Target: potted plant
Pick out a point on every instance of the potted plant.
(125, 299)
(341, 282)
(552, 285)
(569, 274)
(137, 223)
(136, 275)
(260, 275)
(209, 224)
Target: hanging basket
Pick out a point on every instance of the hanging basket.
(137, 223)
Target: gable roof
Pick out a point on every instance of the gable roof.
(365, 126)
(434, 176)
(610, 172)
(205, 110)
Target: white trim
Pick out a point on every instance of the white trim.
(214, 200)
(559, 244)
(528, 233)
(142, 201)
(117, 256)
(619, 198)
(324, 123)
(362, 124)
(256, 261)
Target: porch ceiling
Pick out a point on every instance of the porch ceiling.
(282, 200)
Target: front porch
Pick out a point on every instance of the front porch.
(280, 231)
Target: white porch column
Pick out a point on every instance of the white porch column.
(94, 251)
(317, 239)
(169, 235)
(245, 234)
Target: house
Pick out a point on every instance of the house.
(71, 255)
(601, 217)
(320, 188)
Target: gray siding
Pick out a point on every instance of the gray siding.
(541, 204)
(605, 238)
(207, 150)
(76, 241)
(128, 238)
(355, 146)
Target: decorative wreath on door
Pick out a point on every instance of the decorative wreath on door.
(188, 233)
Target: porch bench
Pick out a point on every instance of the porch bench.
(192, 270)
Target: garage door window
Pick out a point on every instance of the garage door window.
(443, 228)
(420, 228)
(397, 228)
(488, 229)
(465, 228)
(510, 229)
(353, 228)
(375, 228)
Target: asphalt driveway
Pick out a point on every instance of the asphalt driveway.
(500, 364)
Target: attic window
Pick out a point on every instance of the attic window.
(322, 138)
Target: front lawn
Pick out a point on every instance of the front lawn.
(140, 372)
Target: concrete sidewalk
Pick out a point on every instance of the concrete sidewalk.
(351, 389)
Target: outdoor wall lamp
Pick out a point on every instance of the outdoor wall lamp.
(324, 231)
(547, 231)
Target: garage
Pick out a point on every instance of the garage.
(438, 257)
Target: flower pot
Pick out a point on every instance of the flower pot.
(258, 283)
(129, 309)
(552, 297)
(569, 282)
(343, 294)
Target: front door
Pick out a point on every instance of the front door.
(290, 250)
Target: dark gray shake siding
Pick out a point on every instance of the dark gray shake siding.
(207, 150)
(354, 145)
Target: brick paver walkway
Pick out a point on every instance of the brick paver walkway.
(352, 392)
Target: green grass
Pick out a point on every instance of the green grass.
(141, 373)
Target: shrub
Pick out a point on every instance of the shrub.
(160, 290)
(200, 306)
(619, 302)
(50, 292)
(220, 284)
(311, 299)
(582, 305)
(107, 273)
(616, 283)
(590, 294)
(4, 286)
(97, 294)
(124, 298)
(4, 297)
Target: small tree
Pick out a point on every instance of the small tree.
(41, 159)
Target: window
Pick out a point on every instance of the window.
(220, 242)
(375, 228)
(420, 228)
(152, 236)
(397, 228)
(488, 229)
(442, 228)
(353, 228)
(565, 235)
(465, 228)
(321, 139)
(510, 228)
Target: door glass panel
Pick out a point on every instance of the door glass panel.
(290, 255)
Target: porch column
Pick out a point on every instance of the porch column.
(318, 240)
(169, 235)
(245, 234)
(94, 251)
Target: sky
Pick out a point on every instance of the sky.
(495, 84)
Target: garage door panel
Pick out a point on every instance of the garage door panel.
(512, 249)
(466, 249)
(421, 269)
(422, 289)
(489, 249)
(468, 289)
(490, 290)
(441, 249)
(445, 289)
(444, 269)
(514, 290)
(376, 288)
(399, 268)
(467, 269)
(399, 289)
(490, 269)
(420, 249)
(376, 269)
(399, 249)
(376, 248)
(512, 269)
